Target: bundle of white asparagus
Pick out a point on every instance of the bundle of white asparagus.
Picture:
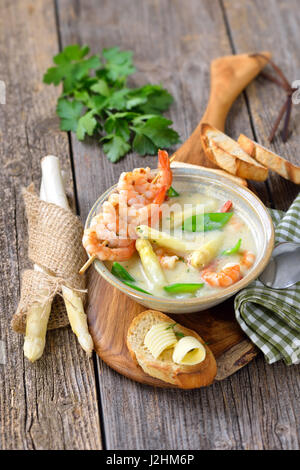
(38, 313)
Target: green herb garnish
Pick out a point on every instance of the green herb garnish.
(172, 193)
(177, 333)
(207, 222)
(171, 326)
(96, 101)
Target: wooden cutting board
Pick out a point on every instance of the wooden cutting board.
(110, 312)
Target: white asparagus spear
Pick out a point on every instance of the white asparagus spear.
(53, 187)
(167, 241)
(78, 319)
(52, 190)
(36, 329)
(204, 255)
(42, 190)
(150, 262)
(52, 182)
(37, 318)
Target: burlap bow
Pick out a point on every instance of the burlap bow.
(54, 244)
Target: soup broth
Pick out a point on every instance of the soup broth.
(234, 257)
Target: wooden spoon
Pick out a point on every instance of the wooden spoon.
(229, 75)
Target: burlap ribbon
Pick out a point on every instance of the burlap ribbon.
(54, 244)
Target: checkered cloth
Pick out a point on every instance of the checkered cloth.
(271, 318)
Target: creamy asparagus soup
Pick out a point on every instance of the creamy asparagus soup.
(200, 245)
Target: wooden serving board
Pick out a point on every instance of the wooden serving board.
(110, 311)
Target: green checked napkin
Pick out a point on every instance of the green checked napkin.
(271, 318)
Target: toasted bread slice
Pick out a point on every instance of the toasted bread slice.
(164, 368)
(227, 154)
(274, 162)
(233, 178)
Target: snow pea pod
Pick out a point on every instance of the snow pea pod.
(129, 284)
(207, 222)
(183, 288)
(233, 250)
(124, 276)
(120, 272)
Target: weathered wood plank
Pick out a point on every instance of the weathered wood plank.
(173, 46)
(51, 404)
(271, 25)
(257, 408)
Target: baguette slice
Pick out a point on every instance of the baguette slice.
(164, 368)
(227, 154)
(270, 159)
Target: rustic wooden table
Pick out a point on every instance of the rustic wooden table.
(65, 401)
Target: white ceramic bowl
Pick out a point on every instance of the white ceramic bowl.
(244, 201)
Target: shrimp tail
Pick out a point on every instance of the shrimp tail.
(164, 167)
(160, 196)
(163, 159)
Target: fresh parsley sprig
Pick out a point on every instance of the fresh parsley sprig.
(96, 101)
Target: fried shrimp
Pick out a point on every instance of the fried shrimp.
(229, 274)
(140, 187)
(167, 260)
(107, 252)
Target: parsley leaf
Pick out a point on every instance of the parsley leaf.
(133, 101)
(86, 125)
(118, 63)
(118, 99)
(71, 67)
(158, 99)
(179, 334)
(115, 147)
(158, 131)
(144, 146)
(101, 87)
(69, 113)
(117, 125)
(72, 52)
(96, 101)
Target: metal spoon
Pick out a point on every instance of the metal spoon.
(283, 269)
